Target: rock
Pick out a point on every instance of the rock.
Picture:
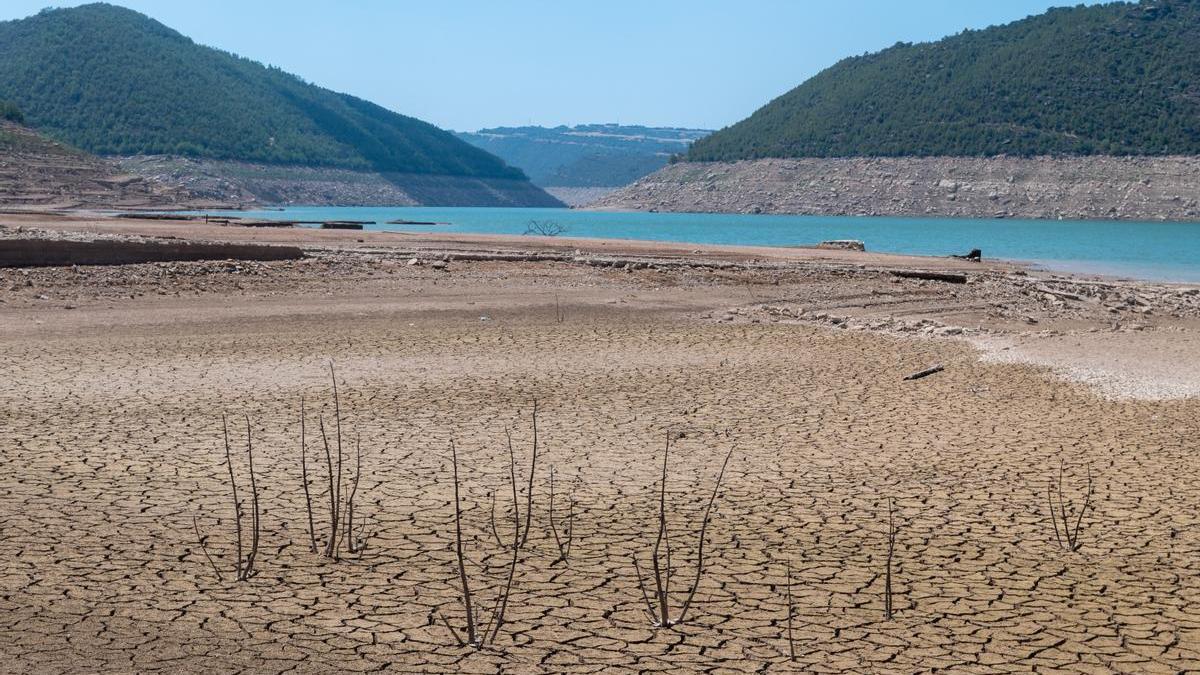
(414, 261)
(439, 265)
(843, 245)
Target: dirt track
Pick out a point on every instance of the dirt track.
(110, 429)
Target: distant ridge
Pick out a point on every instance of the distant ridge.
(115, 82)
(1113, 79)
(586, 155)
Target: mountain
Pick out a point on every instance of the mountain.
(584, 159)
(114, 82)
(1112, 79)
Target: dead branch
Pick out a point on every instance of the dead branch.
(703, 530)
(661, 615)
(237, 504)
(1069, 532)
(532, 470)
(564, 550)
(312, 530)
(458, 550)
(250, 559)
(891, 549)
(791, 611)
(353, 545)
(204, 547)
(925, 373)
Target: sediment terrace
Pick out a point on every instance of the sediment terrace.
(247, 183)
(116, 379)
(1125, 188)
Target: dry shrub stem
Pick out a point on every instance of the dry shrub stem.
(341, 507)
(1067, 535)
(891, 550)
(312, 530)
(243, 564)
(661, 615)
(791, 612)
(491, 629)
(564, 549)
(532, 470)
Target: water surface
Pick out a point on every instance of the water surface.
(1162, 251)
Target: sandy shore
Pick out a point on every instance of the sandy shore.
(116, 379)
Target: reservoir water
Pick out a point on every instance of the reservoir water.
(1160, 251)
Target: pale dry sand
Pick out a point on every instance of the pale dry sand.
(110, 434)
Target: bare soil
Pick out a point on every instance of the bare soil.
(116, 379)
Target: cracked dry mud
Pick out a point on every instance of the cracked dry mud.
(110, 442)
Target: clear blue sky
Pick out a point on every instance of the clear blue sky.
(464, 64)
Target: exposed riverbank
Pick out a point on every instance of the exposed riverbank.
(1073, 188)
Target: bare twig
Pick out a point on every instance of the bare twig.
(253, 556)
(498, 616)
(532, 470)
(564, 550)
(458, 550)
(891, 549)
(791, 611)
(237, 504)
(1068, 531)
(312, 530)
(204, 547)
(353, 545)
(661, 615)
(704, 529)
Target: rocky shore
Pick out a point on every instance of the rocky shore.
(249, 184)
(1118, 188)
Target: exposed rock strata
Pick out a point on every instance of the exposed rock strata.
(1125, 188)
(261, 184)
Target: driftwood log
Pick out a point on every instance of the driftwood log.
(925, 373)
(948, 277)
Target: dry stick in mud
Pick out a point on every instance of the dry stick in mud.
(532, 470)
(474, 637)
(312, 531)
(335, 486)
(244, 564)
(354, 544)
(791, 612)
(564, 550)
(891, 550)
(661, 615)
(1069, 533)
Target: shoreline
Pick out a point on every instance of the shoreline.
(1078, 324)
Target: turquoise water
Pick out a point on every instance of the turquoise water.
(1152, 250)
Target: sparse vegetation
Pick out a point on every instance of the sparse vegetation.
(342, 530)
(1066, 532)
(659, 609)
(244, 562)
(545, 228)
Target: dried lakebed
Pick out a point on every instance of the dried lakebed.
(110, 421)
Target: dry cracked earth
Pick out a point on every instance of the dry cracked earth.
(111, 443)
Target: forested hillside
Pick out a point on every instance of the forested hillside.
(587, 155)
(1113, 79)
(115, 82)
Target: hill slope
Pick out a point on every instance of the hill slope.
(38, 172)
(589, 155)
(114, 82)
(1116, 79)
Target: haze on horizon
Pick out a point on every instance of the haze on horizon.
(466, 64)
